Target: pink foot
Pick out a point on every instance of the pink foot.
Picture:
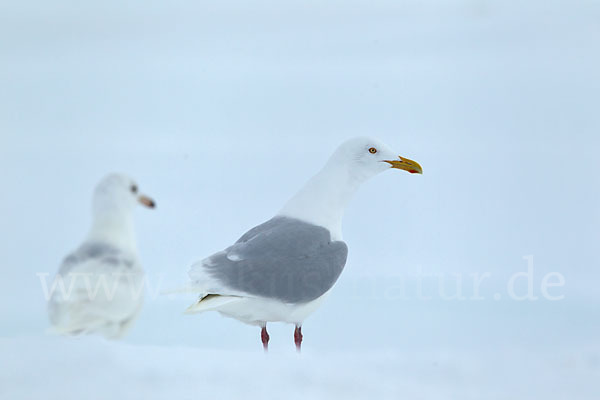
(298, 337)
(264, 336)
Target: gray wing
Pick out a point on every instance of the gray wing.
(284, 259)
(103, 253)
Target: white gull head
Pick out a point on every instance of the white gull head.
(324, 197)
(114, 199)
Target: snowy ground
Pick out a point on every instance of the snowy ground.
(58, 368)
(221, 109)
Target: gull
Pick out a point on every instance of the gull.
(98, 288)
(283, 269)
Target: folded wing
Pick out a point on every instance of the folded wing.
(98, 289)
(284, 259)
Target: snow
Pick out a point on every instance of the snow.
(497, 100)
(59, 368)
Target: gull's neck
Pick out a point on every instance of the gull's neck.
(115, 228)
(323, 199)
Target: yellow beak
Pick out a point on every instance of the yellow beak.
(147, 201)
(408, 165)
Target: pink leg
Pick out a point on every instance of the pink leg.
(264, 336)
(298, 337)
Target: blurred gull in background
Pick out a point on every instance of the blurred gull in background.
(492, 93)
(99, 287)
(281, 270)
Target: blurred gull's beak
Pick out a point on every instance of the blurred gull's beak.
(408, 165)
(146, 201)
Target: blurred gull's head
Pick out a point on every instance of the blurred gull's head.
(117, 193)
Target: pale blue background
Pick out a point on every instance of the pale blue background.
(221, 110)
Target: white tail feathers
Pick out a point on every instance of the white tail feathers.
(211, 302)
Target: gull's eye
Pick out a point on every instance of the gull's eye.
(134, 188)
(372, 150)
